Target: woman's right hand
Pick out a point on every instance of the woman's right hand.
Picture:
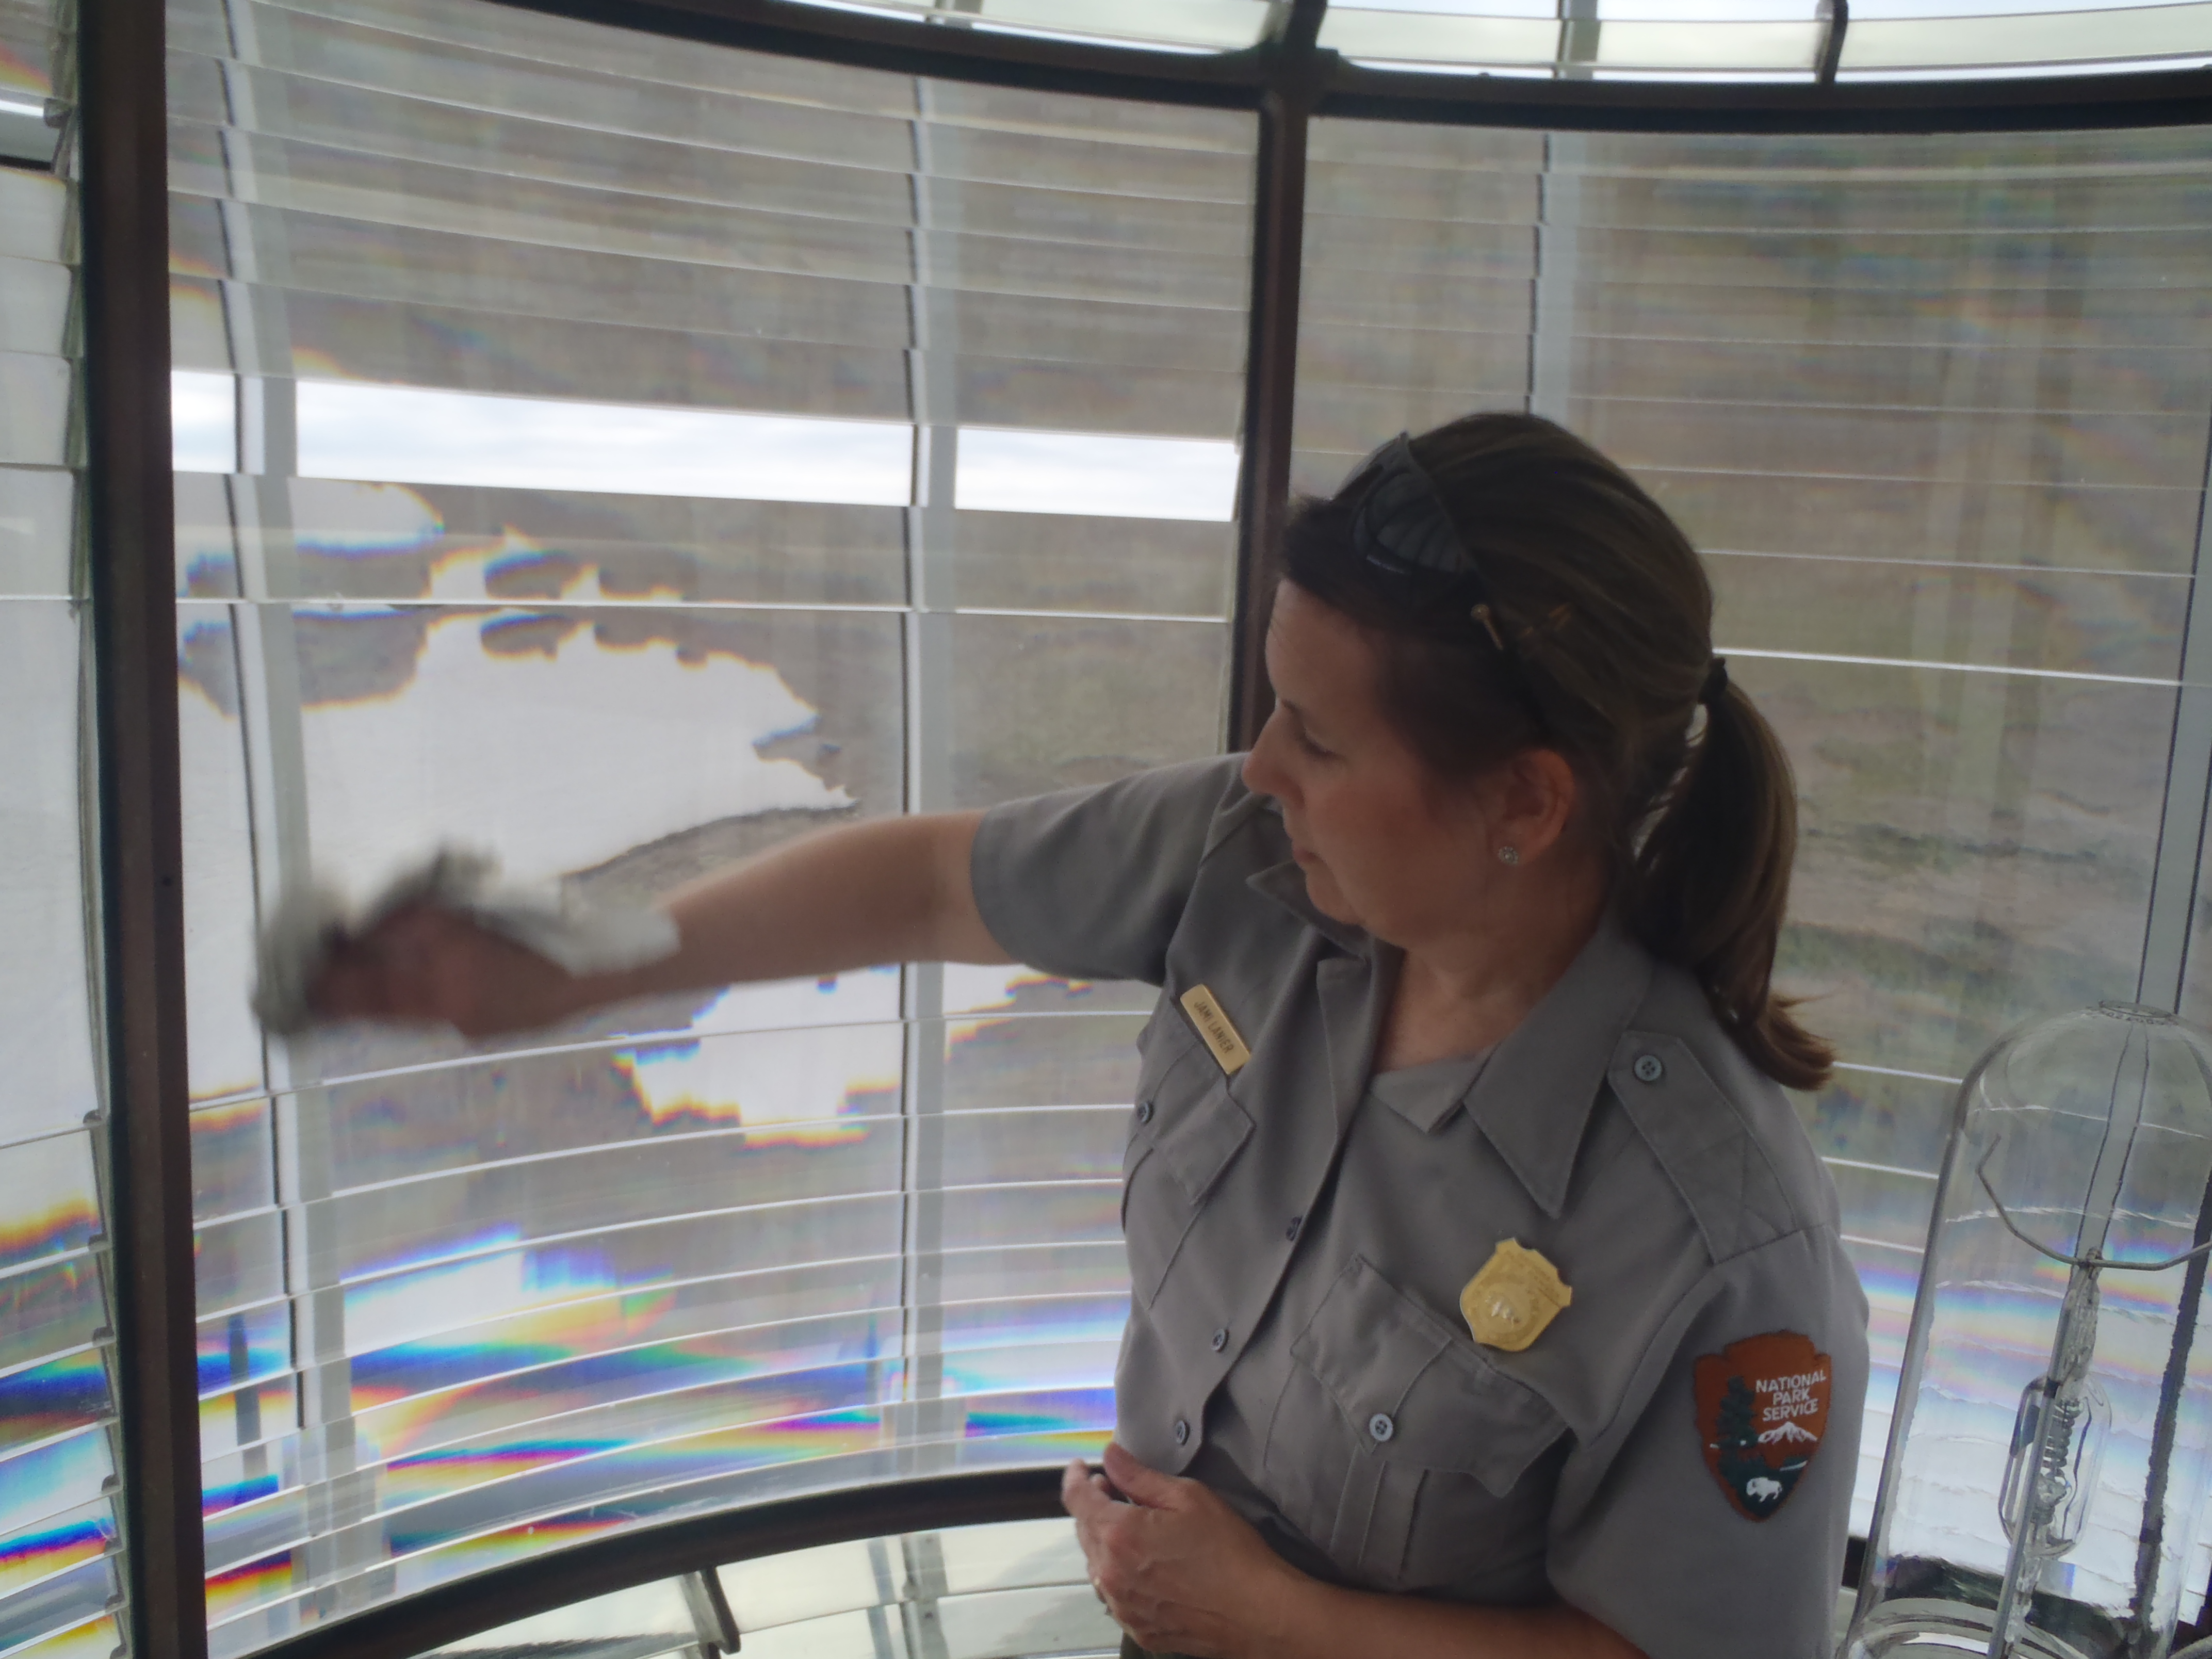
(426, 964)
(884, 890)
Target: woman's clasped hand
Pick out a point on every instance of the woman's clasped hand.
(1177, 1567)
(1188, 1577)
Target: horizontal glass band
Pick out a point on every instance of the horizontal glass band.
(362, 134)
(1467, 220)
(506, 281)
(1933, 445)
(72, 1597)
(56, 1306)
(49, 1517)
(1223, 25)
(1440, 40)
(51, 1397)
(1919, 377)
(2042, 39)
(57, 1207)
(838, 1449)
(95, 1637)
(418, 1448)
(1345, 335)
(429, 195)
(38, 526)
(34, 394)
(665, 64)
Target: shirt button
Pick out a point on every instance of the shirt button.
(1650, 1068)
(1143, 1111)
(1221, 1339)
(1182, 1432)
(1381, 1427)
(1290, 1232)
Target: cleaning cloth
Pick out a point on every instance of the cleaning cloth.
(311, 922)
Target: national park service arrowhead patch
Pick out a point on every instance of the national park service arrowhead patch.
(1762, 1408)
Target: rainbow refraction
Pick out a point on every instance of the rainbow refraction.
(53, 1545)
(42, 1401)
(96, 1637)
(19, 75)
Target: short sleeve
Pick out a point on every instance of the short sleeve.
(1091, 882)
(1713, 1525)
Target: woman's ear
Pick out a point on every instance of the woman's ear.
(1537, 794)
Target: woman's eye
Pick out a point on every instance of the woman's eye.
(1312, 748)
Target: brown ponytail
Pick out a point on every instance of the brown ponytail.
(1596, 642)
(1709, 886)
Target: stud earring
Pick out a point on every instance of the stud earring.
(1509, 855)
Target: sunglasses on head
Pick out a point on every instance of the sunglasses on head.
(1403, 532)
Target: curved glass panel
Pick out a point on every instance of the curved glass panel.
(2029, 40)
(60, 1561)
(1003, 1591)
(1185, 25)
(1937, 412)
(1766, 39)
(622, 456)
(1778, 41)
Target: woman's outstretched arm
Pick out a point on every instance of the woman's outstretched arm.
(890, 890)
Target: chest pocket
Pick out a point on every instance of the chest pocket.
(1184, 1131)
(1408, 1457)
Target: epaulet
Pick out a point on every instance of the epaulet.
(1709, 1142)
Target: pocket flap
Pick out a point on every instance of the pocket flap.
(1195, 1135)
(1380, 1354)
(1184, 1111)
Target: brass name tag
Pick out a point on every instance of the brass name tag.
(1213, 1026)
(1513, 1298)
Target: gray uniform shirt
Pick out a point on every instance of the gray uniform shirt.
(1674, 1452)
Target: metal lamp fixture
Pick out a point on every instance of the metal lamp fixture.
(2042, 1497)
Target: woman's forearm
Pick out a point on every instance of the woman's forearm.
(890, 890)
(1314, 1620)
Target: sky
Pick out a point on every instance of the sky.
(415, 434)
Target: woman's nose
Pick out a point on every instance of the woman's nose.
(1261, 775)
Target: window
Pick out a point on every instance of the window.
(622, 456)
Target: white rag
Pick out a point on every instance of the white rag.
(311, 921)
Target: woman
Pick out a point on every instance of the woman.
(1487, 1295)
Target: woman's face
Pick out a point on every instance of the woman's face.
(1384, 842)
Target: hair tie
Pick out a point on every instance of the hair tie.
(1717, 682)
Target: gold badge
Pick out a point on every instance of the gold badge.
(1517, 1293)
(1213, 1026)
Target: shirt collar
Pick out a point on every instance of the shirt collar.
(1534, 1092)
(1532, 1100)
(1425, 1095)
(1285, 884)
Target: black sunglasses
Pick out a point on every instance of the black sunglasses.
(1403, 532)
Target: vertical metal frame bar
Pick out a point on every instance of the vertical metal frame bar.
(1837, 14)
(132, 531)
(1263, 484)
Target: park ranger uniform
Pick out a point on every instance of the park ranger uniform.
(1569, 1320)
